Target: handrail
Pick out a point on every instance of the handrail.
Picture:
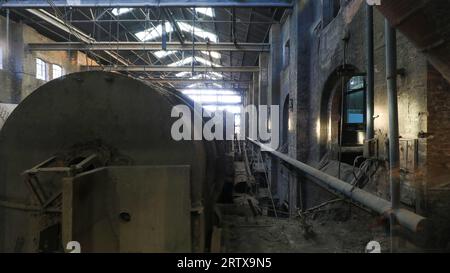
(405, 218)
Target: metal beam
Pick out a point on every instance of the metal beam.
(406, 218)
(57, 22)
(144, 3)
(165, 68)
(149, 46)
(181, 80)
(178, 32)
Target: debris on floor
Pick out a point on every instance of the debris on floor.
(321, 232)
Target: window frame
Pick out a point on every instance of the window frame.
(53, 71)
(45, 66)
(356, 126)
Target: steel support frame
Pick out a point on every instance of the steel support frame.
(148, 46)
(165, 68)
(144, 3)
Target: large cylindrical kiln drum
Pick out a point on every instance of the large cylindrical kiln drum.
(127, 115)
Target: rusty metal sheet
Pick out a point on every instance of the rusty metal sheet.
(129, 209)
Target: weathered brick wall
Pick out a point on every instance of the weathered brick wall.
(435, 202)
(438, 148)
(313, 84)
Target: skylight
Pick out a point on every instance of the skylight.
(155, 32)
(214, 54)
(216, 74)
(208, 76)
(182, 74)
(121, 11)
(182, 62)
(198, 32)
(163, 53)
(190, 59)
(152, 33)
(205, 11)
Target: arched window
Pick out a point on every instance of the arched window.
(354, 112)
(354, 101)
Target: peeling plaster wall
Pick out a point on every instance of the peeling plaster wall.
(18, 76)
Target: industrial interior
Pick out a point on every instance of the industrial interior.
(358, 154)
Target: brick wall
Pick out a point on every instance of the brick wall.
(438, 148)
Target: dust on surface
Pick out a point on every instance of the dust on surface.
(338, 230)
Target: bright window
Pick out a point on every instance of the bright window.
(57, 71)
(205, 11)
(206, 76)
(152, 33)
(355, 100)
(120, 11)
(41, 70)
(213, 54)
(163, 53)
(189, 60)
(198, 32)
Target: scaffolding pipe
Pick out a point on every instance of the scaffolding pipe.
(405, 218)
(370, 73)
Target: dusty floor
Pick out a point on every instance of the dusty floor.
(334, 230)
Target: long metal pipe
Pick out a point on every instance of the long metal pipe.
(370, 73)
(405, 218)
(148, 46)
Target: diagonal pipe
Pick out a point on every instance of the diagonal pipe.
(405, 218)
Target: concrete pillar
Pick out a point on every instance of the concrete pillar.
(275, 64)
(255, 91)
(16, 61)
(263, 77)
